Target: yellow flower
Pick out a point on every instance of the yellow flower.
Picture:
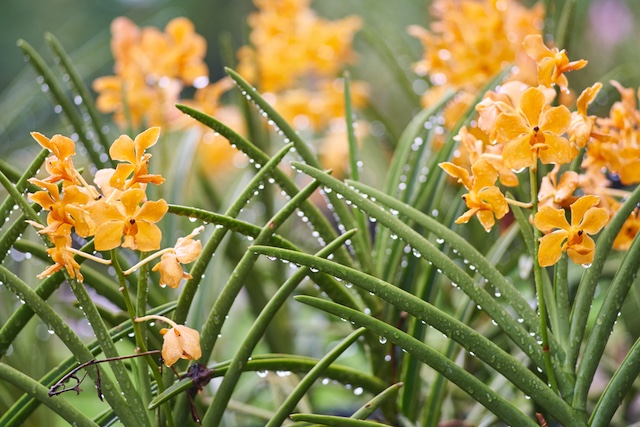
(185, 251)
(484, 199)
(66, 209)
(125, 218)
(62, 255)
(180, 342)
(59, 166)
(136, 160)
(290, 42)
(553, 193)
(628, 232)
(552, 63)
(534, 131)
(586, 219)
(477, 148)
(582, 124)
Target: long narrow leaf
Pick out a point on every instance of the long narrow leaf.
(344, 217)
(71, 340)
(303, 386)
(251, 339)
(38, 391)
(464, 335)
(278, 362)
(199, 266)
(467, 382)
(426, 249)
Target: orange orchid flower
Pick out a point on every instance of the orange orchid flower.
(126, 218)
(136, 161)
(628, 232)
(552, 63)
(59, 166)
(553, 193)
(180, 342)
(62, 255)
(586, 219)
(484, 199)
(65, 209)
(582, 124)
(185, 251)
(534, 131)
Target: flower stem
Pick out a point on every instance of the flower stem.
(537, 271)
(519, 204)
(141, 347)
(88, 256)
(147, 259)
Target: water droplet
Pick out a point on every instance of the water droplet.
(383, 340)
(283, 374)
(262, 374)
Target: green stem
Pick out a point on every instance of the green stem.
(561, 291)
(537, 272)
(605, 320)
(140, 341)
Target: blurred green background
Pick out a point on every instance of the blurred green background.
(606, 32)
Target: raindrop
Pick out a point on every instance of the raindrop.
(262, 374)
(383, 340)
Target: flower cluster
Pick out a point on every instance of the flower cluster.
(116, 214)
(295, 58)
(151, 70)
(470, 41)
(520, 126)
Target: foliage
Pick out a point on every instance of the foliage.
(362, 307)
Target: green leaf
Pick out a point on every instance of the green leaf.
(84, 94)
(586, 289)
(72, 341)
(427, 250)
(303, 386)
(199, 266)
(475, 388)
(331, 420)
(605, 320)
(360, 247)
(371, 406)
(279, 362)
(472, 341)
(213, 324)
(57, 92)
(251, 339)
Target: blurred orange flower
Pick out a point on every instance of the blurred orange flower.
(552, 63)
